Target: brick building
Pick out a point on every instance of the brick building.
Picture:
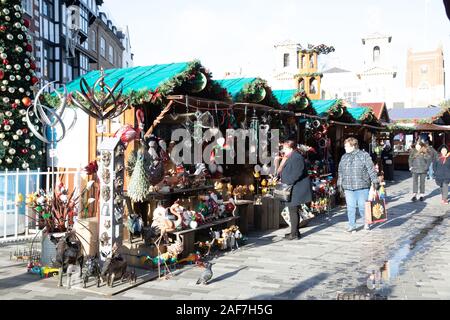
(425, 78)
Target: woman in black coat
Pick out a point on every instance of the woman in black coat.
(441, 168)
(293, 171)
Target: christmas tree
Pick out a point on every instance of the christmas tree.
(139, 184)
(19, 148)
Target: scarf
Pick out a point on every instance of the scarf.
(443, 159)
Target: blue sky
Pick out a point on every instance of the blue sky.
(233, 34)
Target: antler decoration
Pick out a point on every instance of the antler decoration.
(108, 107)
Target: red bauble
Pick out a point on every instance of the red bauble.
(33, 66)
(26, 23)
(5, 62)
(2, 74)
(29, 48)
(25, 130)
(14, 106)
(34, 80)
(26, 102)
(2, 28)
(6, 122)
(24, 151)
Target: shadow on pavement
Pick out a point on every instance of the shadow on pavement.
(227, 275)
(295, 291)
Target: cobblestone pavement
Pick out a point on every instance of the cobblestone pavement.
(412, 245)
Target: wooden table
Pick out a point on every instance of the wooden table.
(267, 215)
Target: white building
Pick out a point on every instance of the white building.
(378, 75)
(286, 65)
(128, 56)
(339, 83)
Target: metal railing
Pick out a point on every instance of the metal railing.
(16, 219)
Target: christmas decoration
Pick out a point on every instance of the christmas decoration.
(16, 87)
(139, 184)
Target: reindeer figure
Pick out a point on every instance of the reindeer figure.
(92, 270)
(114, 268)
(68, 254)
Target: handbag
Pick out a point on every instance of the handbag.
(282, 192)
(375, 209)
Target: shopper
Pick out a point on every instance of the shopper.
(356, 173)
(419, 162)
(433, 157)
(293, 171)
(441, 168)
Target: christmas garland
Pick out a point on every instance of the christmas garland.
(319, 49)
(251, 93)
(309, 74)
(337, 110)
(301, 102)
(182, 83)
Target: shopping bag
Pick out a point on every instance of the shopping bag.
(375, 210)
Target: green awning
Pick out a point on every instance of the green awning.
(284, 96)
(135, 78)
(322, 106)
(358, 112)
(234, 86)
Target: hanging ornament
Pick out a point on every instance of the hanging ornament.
(6, 11)
(17, 25)
(8, 161)
(26, 23)
(15, 137)
(8, 18)
(18, 15)
(6, 100)
(12, 151)
(19, 132)
(34, 80)
(9, 36)
(26, 102)
(33, 147)
(11, 90)
(25, 165)
(6, 143)
(2, 28)
(8, 113)
(24, 151)
(29, 48)
(27, 141)
(2, 74)
(2, 135)
(32, 157)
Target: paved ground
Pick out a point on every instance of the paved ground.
(412, 246)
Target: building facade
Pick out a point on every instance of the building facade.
(425, 78)
(286, 65)
(105, 44)
(378, 77)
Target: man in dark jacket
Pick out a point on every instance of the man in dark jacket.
(294, 172)
(356, 173)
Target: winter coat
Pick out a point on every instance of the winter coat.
(356, 171)
(295, 173)
(419, 161)
(434, 155)
(442, 170)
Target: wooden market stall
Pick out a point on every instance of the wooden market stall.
(411, 124)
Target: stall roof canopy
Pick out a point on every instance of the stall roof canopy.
(284, 96)
(234, 86)
(135, 78)
(377, 108)
(322, 106)
(358, 112)
(414, 113)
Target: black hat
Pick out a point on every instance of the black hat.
(442, 147)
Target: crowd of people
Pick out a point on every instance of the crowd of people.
(357, 174)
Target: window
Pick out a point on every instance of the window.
(286, 60)
(103, 47)
(313, 87)
(27, 6)
(48, 9)
(111, 54)
(376, 54)
(93, 41)
(311, 61)
(48, 62)
(423, 69)
(301, 85)
(303, 62)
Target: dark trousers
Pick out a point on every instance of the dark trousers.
(293, 215)
(421, 177)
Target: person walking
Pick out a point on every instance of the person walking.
(441, 167)
(356, 173)
(292, 171)
(433, 157)
(419, 162)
